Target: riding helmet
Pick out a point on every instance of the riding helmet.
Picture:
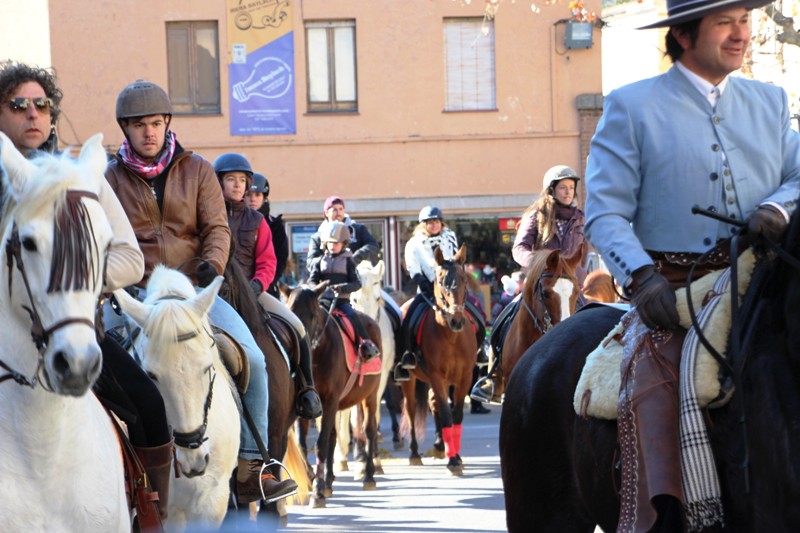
(334, 232)
(260, 184)
(430, 212)
(232, 162)
(558, 173)
(142, 98)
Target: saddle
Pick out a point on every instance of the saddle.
(501, 326)
(139, 492)
(233, 357)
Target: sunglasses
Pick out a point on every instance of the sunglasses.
(20, 105)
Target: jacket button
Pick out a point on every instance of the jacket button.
(612, 255)
(707, 241)
(627, 271)
(622, 265)
(715, 147)
(716, 119)
(712, 208)
(616, 259)
(713, 176)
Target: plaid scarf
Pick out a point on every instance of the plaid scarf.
(144, 169)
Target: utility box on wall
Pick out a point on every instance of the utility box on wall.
(578, 35)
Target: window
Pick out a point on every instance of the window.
(469, 64)
(193, 64)
(331, 66)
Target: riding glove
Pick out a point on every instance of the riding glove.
(654, 299)
(205, 274)
(423, 283)
(766, 221)
(257, 287)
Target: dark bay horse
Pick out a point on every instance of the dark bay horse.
(282, 389)
(549, 296)
(449, 350)
(332, 379)
(559, 469)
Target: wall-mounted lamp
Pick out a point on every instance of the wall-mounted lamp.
(578, 35)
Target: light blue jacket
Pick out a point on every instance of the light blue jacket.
(656, 153)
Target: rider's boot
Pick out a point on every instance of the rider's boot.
(157, 463)
(308, 403)
(409, 360)
(254, 482)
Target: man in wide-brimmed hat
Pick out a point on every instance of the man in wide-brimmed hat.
(692, 136)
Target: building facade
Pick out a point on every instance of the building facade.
(396, 104)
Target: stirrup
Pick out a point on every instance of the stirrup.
(401, 374)
(264, 466)
(408, 361)
(484, 391)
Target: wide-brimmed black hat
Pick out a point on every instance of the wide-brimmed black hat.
(680, 11)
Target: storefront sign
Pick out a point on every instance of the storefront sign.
(508, 224)
(261, 73)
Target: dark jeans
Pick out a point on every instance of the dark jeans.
(125, 388)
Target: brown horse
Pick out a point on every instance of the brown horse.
(336, 388)
(599, 287)
(549, 296)
(282, 388)
(449, 350)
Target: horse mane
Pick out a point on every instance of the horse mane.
(537, 268)
(169, 318)
(56, 186)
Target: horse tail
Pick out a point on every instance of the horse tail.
(294, 461)
(420, 415)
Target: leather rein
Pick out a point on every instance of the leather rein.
(39, 334)
(546, 323)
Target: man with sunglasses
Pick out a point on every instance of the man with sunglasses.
(29, 110)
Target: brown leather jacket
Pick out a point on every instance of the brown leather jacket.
(193, 222)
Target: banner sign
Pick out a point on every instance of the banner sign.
(261, 73)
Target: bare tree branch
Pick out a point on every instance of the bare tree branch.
(787, 33)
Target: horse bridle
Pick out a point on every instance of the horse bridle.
(194, 439)
(546, 324)
(446, 309)
(39, 334)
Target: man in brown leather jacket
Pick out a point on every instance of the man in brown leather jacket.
(175, 205)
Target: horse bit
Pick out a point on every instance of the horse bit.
(39, 334)
(447, 287)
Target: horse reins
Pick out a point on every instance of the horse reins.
(539, 293)
(446, 309)
(39, 334)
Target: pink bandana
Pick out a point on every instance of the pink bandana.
(148, 170)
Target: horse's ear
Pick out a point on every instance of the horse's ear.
(461, 255)
(320, 288)
(17, 169)
(577, 256)
(379, 268)
(94, 156)
(201, 303)
(438, 256)
(284, 289)
(135, 309)
(552, 260)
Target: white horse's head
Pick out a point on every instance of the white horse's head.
(179, 354)
(56, 237)
(369, 298)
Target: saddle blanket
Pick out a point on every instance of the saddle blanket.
(598, 387)
(346, 330)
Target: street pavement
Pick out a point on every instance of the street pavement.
(418, 498)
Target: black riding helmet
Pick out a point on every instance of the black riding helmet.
(260, 184)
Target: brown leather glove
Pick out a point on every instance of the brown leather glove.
(654, 299)
(766, 221)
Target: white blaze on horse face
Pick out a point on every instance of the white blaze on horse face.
(563, 288)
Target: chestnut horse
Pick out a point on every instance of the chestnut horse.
(336, 388)
(449, 351)
(559, 469)
(549, 296)
(281, 413)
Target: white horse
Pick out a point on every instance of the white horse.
(179, 352)
(61, 466)
(369, 300)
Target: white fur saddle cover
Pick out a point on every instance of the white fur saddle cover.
(598, 387)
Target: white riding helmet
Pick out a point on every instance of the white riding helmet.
(558, 173)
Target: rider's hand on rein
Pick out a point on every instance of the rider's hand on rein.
(654, 299)
(766, 221)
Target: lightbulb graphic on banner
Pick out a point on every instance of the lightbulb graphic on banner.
(270, 78)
